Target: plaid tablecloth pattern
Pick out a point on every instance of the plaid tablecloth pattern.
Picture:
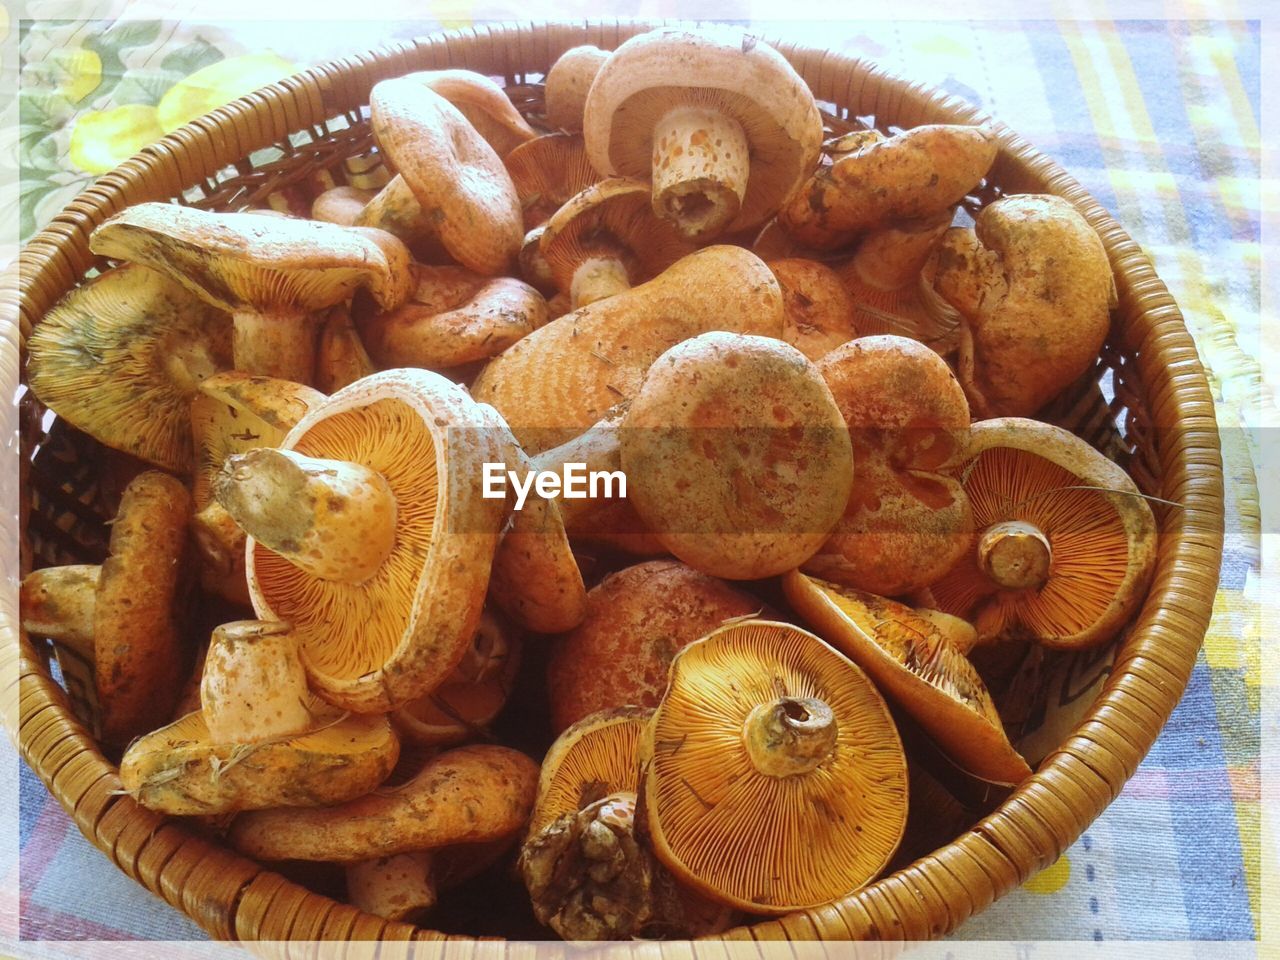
(1159, 120)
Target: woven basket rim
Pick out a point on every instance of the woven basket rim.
(927, 898)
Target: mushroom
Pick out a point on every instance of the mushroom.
(637, 619)
(453, 317)
(341, 205)
(774, 778)
(484, 104)
(259, 739)
(120, 358)
(472, 695)
(960, 633)
(562, 378)
(883, 279)
(546, 172)
(607, 238)
(341, 358)
(449, 183)
(722, 124)
(234, 412)
(1033, 286)
(736, 455)
(915, 664)
(478, 795)
(369, 532)
(913, 176)
(589, 873)
(819, 313)
(124, 616)
(908, 520)
(271, 273)
(567, 83)
(1064, 544)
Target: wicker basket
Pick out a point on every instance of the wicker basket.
(1159, 420)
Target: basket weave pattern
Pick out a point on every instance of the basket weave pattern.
(1160, 424)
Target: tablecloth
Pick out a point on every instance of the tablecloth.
(1160, 120)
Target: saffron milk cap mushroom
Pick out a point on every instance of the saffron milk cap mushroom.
(484, 104)
(736, 455)
(916, 665)
(546, 172)
(341, 205)
(719, 121)
(121, 356)
(368, 531)
(770, 742)
(272, 273)
(341, 358)
(819, 311)
(567, 84)
(1064, 543)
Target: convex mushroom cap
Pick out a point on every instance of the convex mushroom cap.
(271, 273)
(819, 313)
(719, 121)
(737, 456)
(1064, 543)
(259, 740)
(369, 532)
(770, 742)
(916, 665)
(121, 356)
(484, 104)
(907, 520)
(567, 84)
(1034, 287)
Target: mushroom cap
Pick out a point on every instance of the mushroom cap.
(484, 104)
(458, 180)
(1034, 285)
(233, 260)
(737, 456)
(121, 356)
(593, 758)
(341, 205)
(565, 376)
(906, 521)
(137, 642)
(812, 837)
(1100, 530)
(546, 172)
(469, 794)
(180, 771)
(637, 619)
(567, 84)
(380, 644)
(653, 73)
(915, 664)
(613, 218)
(819, 311)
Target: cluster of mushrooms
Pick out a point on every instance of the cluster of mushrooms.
(820, 392)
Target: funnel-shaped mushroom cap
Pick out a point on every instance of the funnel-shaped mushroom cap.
(548, 171)
(912, 176)
(611, 222)
(711, 446)
(637, 618)
(775, 777)
(564, 377)
(120, 358)
(757, 101)
(915, 664)
(233, 260)
(1064, 544)
(1034, 285)
(468, 795)
(595, 757)
(378, 644)
(484, 104)
(464, 192)
(819, 311)
(180, 770)
(906, 521)
(568, 82)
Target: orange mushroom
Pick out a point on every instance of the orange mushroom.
(484, 104)
(819, 313)
(546, 172)
(567, 84)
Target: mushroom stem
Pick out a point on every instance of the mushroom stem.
(597, 278)
(335, 520)
(59, 603)
(1015, 554)
(790, 735)
(275, 343)
(399, 887)
(254, 686)
(700, 167)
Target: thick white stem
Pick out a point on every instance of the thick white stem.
(275, 343)
(598, 278)
(254, 686)
(700, 166)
